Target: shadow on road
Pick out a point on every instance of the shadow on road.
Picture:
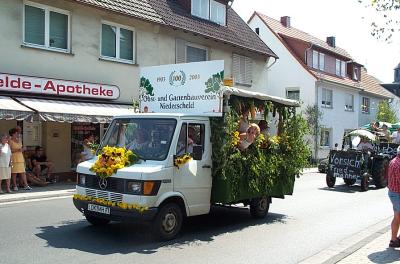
(125, 238)
(389, 255)
(346, 189)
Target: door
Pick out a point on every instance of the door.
(193, 179)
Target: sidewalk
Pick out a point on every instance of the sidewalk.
(51, 190)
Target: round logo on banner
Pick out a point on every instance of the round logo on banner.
(177, 78)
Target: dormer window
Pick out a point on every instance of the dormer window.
(318, 60)
(340, 68)
(210, 10)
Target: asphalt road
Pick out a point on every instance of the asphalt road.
(313, 219)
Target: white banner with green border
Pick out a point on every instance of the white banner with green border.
(191, 88)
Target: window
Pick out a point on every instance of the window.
(218, 13)
(242, 69)
(340, 68)
(190, 137)
(117, 42)
(325, 137)
(355, 74)
(190, 52)
(326, 98)
(46, 27)
(194, 54)
(365, 105)
(210, 10)
(349, 102)
(318, 60)
(293, 94)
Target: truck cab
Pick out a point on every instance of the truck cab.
(154, 183)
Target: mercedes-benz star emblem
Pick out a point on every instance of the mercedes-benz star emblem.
(103, 184)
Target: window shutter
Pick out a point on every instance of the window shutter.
(236, 68)
(180, 51)
(248, 79)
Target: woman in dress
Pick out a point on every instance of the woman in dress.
(5, 162)
(18, 160)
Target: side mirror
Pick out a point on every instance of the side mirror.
(197, 152)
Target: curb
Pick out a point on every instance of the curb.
(348, 246)
(38, 195)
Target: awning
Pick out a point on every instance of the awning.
(67, 111)
(12, 110)
(245, 93)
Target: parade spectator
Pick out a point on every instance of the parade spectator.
(87, 152)
(394, 195)
(18, 161)
(396, 136)
(5, 162)
(246, 139)
(41, 165)
(244, 121)
(336, 147)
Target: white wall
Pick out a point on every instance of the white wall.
(371, 116)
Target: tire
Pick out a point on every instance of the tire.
(349, 182)
(96, 221)
(168, 222)
(379, 172)
(365, 182)
(330, 180)
(259, 207)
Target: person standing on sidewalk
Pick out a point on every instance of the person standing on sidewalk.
(394, 195)
(5, 162)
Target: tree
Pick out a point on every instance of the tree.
(314, 117)
(385, 113)
(388, 21)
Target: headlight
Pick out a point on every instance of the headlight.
(135, 187)
(82, 179)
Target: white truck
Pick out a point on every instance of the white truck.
(154, 189)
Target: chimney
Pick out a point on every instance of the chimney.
(285, 21)
(331, 41)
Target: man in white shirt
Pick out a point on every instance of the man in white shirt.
(396, 136)
(364, 145)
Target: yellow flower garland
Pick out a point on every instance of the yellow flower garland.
(112, 159)
(100, 201)
(182, 160)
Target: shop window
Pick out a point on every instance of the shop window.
(242, 69)
(117, 42)
(79, 132)
(325, 137)
(46, 27)
(326, 98)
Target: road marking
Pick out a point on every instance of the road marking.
(36, 200)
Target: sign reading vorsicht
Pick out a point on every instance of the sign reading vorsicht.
(345, 164)
(193, 88)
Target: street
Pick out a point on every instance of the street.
(313, 219)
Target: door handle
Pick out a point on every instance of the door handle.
(207, 166)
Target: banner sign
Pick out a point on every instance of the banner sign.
(345, 164)
(57, 88)
(193, 88)
(389, 149)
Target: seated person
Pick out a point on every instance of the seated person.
(244, 122)
(140, 142)
(246, 139)
(31, 177)
(191, 139)
(41, 165)
(364, 145)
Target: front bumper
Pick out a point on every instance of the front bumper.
(116, 213)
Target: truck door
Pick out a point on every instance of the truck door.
(193, 179)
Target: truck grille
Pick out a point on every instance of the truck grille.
(113, 184)
(114, 197)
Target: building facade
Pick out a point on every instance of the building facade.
(318, 73)
(69, 47)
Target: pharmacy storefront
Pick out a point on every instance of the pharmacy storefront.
(57, 114)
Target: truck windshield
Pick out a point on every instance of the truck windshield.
(150, 138)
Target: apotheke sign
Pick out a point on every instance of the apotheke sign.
(46, 86)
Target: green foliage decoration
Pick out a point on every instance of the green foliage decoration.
(386, 113)
(213, 84)
(266, 162)
(145, 83)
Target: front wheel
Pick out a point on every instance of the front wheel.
(365, 182)
(330, 181)
(96, 221)
(168, 222)
(259, 207)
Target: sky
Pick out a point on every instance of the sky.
(347, 20)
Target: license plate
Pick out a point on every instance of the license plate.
(98, 209)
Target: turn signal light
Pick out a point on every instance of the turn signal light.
(148, 187)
